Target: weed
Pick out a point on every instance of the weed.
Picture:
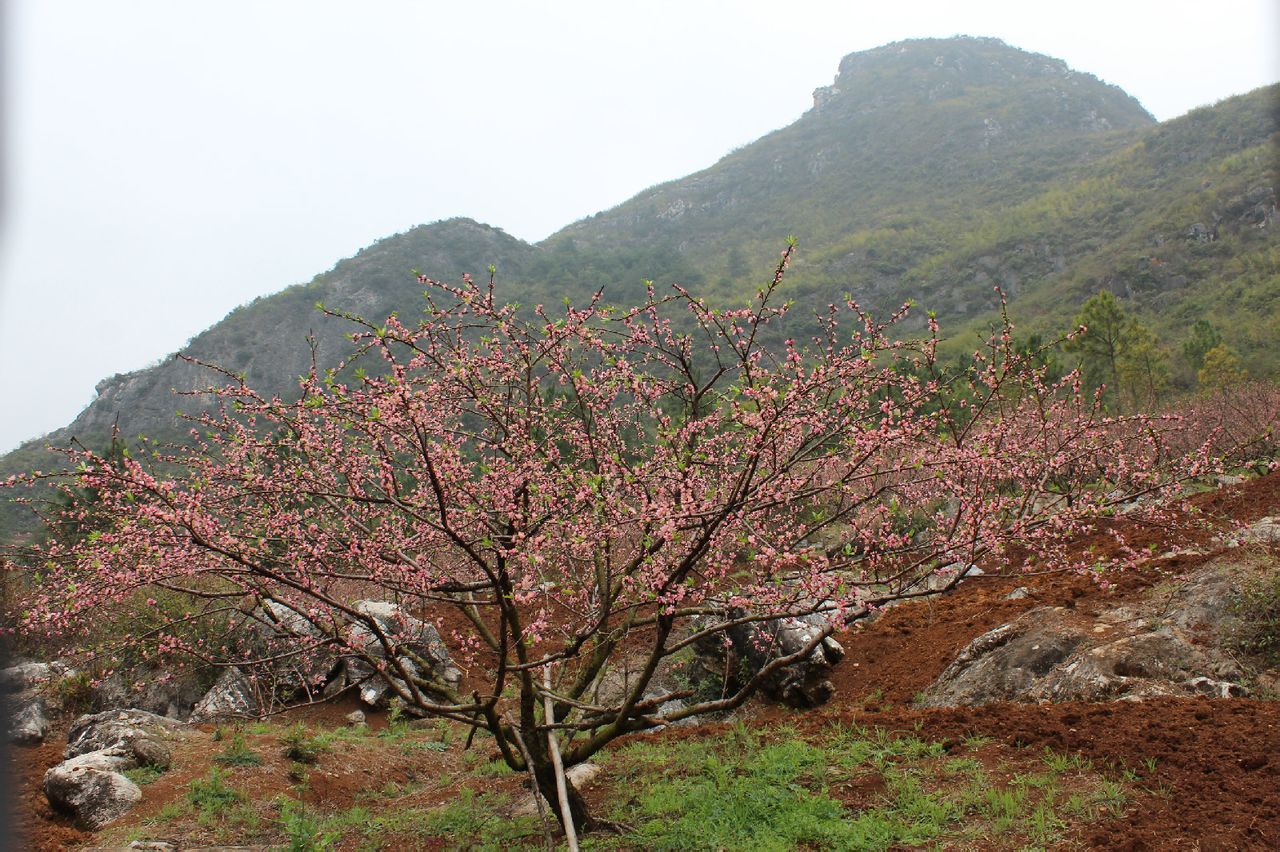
(962, 766)
(1111, 794)
(142, 775)
(492, 769)
(238, 753)
(74, 693)
(1043, 825)
(1257, 607)
(1002, 806)
(1082, 806)
(300, 746)
(737, 801)
(1034, 780)
(1061, 763)
(299, 774)
(477, 817)
(304, 829)
(212, 798)
(410, 746)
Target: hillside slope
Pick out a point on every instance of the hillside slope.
(929, 170)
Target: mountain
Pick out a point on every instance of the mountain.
(929, 169)
(907, 133)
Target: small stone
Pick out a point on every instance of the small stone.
(355, 718)
(579, 776)
(1018, 594)
(582, 774)
(1217, 688)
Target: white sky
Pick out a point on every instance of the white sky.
(168, 160)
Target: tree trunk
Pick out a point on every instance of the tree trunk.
(577, 805)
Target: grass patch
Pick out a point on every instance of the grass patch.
(300, 746)
(850, 788)
(472, 821)
(143, 775)
(846, 787)
(238, 753)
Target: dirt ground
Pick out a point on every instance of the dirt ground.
(1218, 759)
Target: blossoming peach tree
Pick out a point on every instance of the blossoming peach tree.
(569, 493)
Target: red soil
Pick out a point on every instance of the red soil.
(1217, 771)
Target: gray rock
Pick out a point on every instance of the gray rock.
(232, 696)
(26, 676)
(147, 689)
(1005, 663)
(144, 736)
(304, 659)
(1263, 531)
(803, 683)
(355, 718)
(1217, 688)
(92, 789)
(949, 575)
(1051, 655)
(408, 637)
(29, 725)
(1018, 594)
(1152, 663)
(581, 775)
(31, 704)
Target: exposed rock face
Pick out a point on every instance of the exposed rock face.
(803, 683)
(148, 689)
(671, 675)
(1263, 531)
(406, 638)
(26, 686)
(29, 725)
(310, 661)
(322, 664)
(24, 676)
(232, 696)
(1167, 645)
(1004, 663)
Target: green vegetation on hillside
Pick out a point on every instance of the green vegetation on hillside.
(931, 170)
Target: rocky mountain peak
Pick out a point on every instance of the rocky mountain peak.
(921, 72)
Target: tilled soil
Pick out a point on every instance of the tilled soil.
(1210, 768)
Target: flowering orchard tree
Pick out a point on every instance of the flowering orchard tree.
(592, 488)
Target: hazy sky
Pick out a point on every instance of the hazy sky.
(166, 161)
